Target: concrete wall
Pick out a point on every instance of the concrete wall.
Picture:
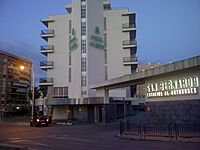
(174, 76)
(181, 108)
(60, 54)
(179, 111)
(115, 51)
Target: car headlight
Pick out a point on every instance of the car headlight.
(38, 120)
(47, 120)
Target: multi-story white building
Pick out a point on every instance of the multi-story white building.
(88, 44)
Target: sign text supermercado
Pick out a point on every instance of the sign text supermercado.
(175, 87)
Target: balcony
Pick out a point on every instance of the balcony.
(130, 61)
(129, 43)
(46, 21)
(45, 49)
(46, 65)
(68, 7)
(45, 34)
(126, 27)
(46, 81)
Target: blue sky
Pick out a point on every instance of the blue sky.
(167, 30)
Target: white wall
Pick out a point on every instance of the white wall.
(95, 57)
(75, 85)
(115, 51)
(60, 54)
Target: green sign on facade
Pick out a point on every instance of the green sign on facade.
(73, 42)
(97, 41)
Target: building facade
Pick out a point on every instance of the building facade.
(90, 43)
(171, 91)
(14, 83)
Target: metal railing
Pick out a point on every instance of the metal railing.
(46, 63)
(48, 31)
(46, 47)
(130, 59)
(46, 80)
(171, 130)
(129, 42)
(128, 25)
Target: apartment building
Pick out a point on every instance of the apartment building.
(90, 43)
(14, 83)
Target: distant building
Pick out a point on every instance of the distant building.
(90, 43)
(14, 83)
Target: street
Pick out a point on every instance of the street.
(84, 137)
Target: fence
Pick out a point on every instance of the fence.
(171, 130)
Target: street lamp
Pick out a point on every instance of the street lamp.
(33, 90)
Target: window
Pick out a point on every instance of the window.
(83, 80)
(105, 28)
(83, 28)
(105, 39)
(106, 73)
(83, 46)
(83, 92)
(70, 74)
(70, 58)
(83, 11)
(83, 64)
(70, 26)
(60, 92)
(105, 56)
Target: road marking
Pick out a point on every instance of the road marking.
(23, 141)
(73, 139)
(14, 138)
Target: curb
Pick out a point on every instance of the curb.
(132, 138)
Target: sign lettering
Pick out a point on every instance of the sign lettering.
(182, 86)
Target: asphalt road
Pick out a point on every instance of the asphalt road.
(84, 137)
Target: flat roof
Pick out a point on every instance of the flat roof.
(125, 80)
(15, 56)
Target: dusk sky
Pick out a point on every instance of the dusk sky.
(167, 30)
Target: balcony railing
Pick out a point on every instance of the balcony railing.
(46, 81)
(128, 25)
(129, 42)
(132, 60)
(46, 47)
(46, 63)
(46, 32)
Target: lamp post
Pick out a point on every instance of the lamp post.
(33, 94)
(33, 90)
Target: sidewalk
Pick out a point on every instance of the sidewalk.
(16, 120)
(154, 138)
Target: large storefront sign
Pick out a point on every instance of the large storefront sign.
(97, 41)
(174, 87)
(73, 41)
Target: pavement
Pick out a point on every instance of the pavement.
(24, 121)
(164, 139)
(12, 147)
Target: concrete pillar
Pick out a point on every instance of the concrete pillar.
(103, 92)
